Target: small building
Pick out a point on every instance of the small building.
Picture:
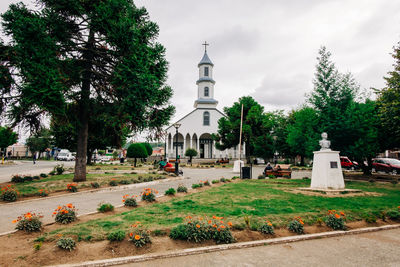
(195, 129)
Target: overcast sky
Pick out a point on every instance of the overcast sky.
(267, 48)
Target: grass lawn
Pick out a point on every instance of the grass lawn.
(59, 182)
(257, 199)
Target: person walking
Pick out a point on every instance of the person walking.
(34, 158)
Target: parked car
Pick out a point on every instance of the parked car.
(346, 163)
(64, 154)
(259, 161)
(388, 165)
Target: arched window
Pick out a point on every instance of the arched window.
(206, 91)
(206, 118)
(206, 71)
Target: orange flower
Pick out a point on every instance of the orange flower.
(337, 216)
(209, 221)
(54, 213)
(229, 224)
(300, 221)
(70, 206)
(342, 213)
(222, 226)
(219, 229)
(130, 234)
(269, 224)
(14, 221)
(137, 237)
(197, 225)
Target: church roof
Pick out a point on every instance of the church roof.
(205, 60)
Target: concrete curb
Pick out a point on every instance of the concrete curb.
(107, 189)
(194, 251)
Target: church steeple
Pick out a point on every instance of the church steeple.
(205, 83)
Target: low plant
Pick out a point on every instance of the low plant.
(370, 218)
(267, 228)
(43, 193)
(124, 182)
(194, 186)
(9, 193)
(170, 192)
(113, 182)
(66, 243)
(235, 177)
(36, 177)
(261, 176)
(205, 183)
(181, 189)
(149, 195)
(223, 180)
(95, 184)
(215, 181)
(393, 214)
(29, 222)
(138, 236)
(336, 220)
(271, 176)
(52, 173)
(16, 178)
(129, 201)
(72, 187)
(296, 226)
(59, 169)
(38, 246)
(118, 235)
(65, 214)
(106, 207)
(28, 178)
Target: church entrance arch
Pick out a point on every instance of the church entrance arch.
(206, 146)
(179, 144)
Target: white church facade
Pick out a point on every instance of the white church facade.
(195, 129)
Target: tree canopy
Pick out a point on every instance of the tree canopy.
(40, 141)
(7, 137)
(137, 150)
(87, 53)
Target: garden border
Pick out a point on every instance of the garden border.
(208, 249)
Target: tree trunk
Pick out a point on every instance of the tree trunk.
(135, 163)
(83, 116)
(302, 160)
(89, 157)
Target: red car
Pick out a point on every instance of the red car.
(386, 165)
(346, 163)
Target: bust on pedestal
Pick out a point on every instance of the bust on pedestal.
(327, 171)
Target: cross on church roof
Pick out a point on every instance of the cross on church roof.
(205, 46)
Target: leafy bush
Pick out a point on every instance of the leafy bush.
(261, 176)
(66, 243)
(65, 214)
(73, 187)
(149, 195)
(235, 177)
(113, 182)
(179, 232)
(52, 173)
(393, 214)
(95, 184)
(223, 180)
(129, 201)
(228, 180)
(370, 218)
(181, 189)
(205, 183)
(29, 222)
(36, 177)
(118, 235)
(271, 176)
(124, 182)
(59, 169)
(17, 178)
(43, 193)
(139, 238)
(215, 181)
(9, 193)
(335, 220)
(28, 178)
(296, 226)
(267, 228)
(170, 192)
(106, 207)
(194, 186)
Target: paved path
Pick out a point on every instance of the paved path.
(370, 249)
(27, 167)
(88, 201)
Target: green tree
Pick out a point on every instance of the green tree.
(190, 152)
(7, 138)
(256, 131)
(149, 149)
(88, 53)
(389, 105)
(40, 141)
(303, 132)
(136, 151)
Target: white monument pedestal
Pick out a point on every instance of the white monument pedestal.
(327, 171)
(237, 164)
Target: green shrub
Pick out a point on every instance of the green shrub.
(215, 181)
(29, 222)
(370, 218)
(181, 189)
(59, 169)
(52, 173)
(393, 214)
(124, 182)
(149, 195)
(139, 238)
(266, 228)
(223, 180)
(223, 236)
(179, 232)
(66, 243)
(228, 180)
(95, 184)
(43, 193)
(106, 207)
(72, 187)
(113, 182)
(118, 235)
(261, 176)
(36, 177)
(194, 186)
(129, 201)
(9, 193)
(235, 177)
(296, 226)
(17, 178)
(206, 183)
(271, 176)
(335, 220)
(65, 214)
(170, 192)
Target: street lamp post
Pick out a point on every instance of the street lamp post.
(176, 125)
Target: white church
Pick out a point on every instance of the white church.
(195, 129)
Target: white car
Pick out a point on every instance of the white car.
(67, 156)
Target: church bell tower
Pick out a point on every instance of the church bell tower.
(205, 83)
